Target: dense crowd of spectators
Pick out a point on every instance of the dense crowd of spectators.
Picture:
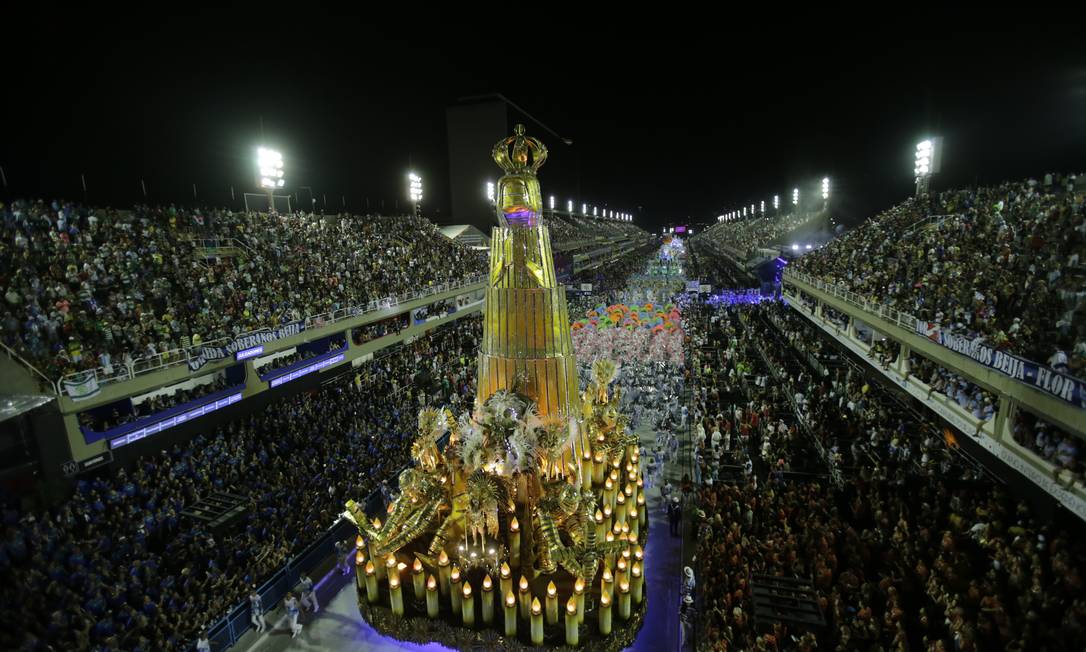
(1002, 263)
(569, 228)
(742, 237)
(106, 418)
(335, 343)
(117, 567)
(909, 554)
(370, 332)
(89, 287)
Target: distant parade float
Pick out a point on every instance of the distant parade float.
(523, 523)
(647, 333)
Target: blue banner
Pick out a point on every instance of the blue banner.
(213, 353)
(1066, 388)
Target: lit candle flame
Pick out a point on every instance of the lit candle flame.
(509, 599)
(536, 608)
(578, 586)
(505, 570)
(370, 570)
(443, 559)
(359, 558)
(607, 576)
(636, 570)
(514, 525)
(605, 598)
(523, 583)
(487, 584)
(552, 590)
(431, 583)
(621, 564)
(467, 589)
(455, 574)
(624, 587)
(571, 605)
(417, 566)
(393, 582)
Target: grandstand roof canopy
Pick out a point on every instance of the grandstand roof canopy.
(466, 234)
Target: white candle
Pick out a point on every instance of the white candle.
(552, 604)
(537, 622)
(454, 589)
(597, 469)
(443, 573)
(525, 598)
(514, 543)
(620, 509)
(605, 613)
(586, 471)
(510, 614)
(578, 594)
(371, 583)
(360, 569)
(571, 622)
(638, 583)
(418, 584)
(468, 606)
(432, 606)
(624, 600)
(395, 595)
(488, 600)
(600, 531)
(505, 579)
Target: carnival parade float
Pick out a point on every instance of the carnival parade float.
(522, 523)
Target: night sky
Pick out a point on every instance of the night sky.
(672, 124)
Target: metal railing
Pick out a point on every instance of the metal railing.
(897, 317)
(11, 353)
(167, 359)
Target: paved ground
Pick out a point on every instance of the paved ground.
(338, 626)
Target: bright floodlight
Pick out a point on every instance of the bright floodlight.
(825, 187)
(569, 206)
(584, 209)
(776, 202)
(552, 202)
(270, 164)
(795, 247)
(414, 187)
(763, 206)
(806, 246)
(490, 191)
(595, 211)
(795, 196)
(925, 158)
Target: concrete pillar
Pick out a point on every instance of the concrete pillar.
(253, 384)
(852, 328)
(902, 362)
(1004, 418)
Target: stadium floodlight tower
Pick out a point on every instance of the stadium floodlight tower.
(569, 207)
(825, 192)
(795, 199)
(776, 203)
(414, 191)
(270, 164)
(763, 207)
(929, 154)
(490, 192)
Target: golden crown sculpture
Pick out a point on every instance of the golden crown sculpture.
(538, 479)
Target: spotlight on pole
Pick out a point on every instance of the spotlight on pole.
(269, 163)
(929, 154)
(414, 190)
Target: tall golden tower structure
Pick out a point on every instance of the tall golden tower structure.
(526, 344)
(537, 482)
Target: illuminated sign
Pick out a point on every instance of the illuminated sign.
(177, 420)
(308, 369)
(250, 353)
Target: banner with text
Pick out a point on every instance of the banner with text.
(213, 353)
(1069, 389)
